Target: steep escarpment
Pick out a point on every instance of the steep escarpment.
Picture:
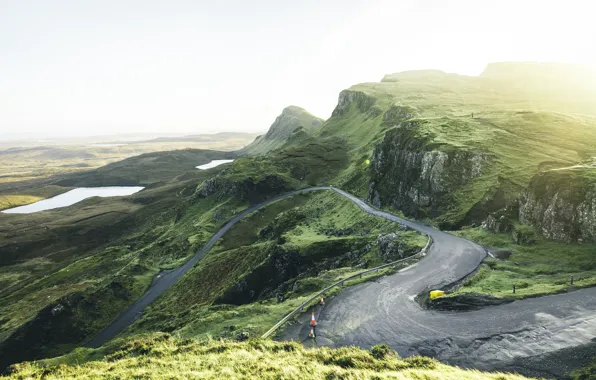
(454, 148)
(285, 124)
(347, 98)
(561, 204)
(248, 189)
(412, 173)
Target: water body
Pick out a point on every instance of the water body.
(213, 164)
(74, 196)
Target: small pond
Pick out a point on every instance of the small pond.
(213, 164)
(74, 196)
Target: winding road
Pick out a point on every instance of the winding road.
(385, 311)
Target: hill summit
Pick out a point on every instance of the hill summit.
(291, 118)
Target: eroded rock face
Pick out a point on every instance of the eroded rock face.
(390, 247)
(415, 175)
(248, 189)
(498, 222)
(349, 97)
(561, 205)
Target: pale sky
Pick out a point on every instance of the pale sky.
(72, 67)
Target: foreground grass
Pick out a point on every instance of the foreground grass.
(201, 322)
(543, 268)
(586, 373)
(162, 357)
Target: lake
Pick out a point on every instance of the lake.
(213, 164)
(74, 196)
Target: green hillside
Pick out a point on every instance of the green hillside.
(293, 248)
(163, 357)
(146, 169)
(508, 135)
(94, 258)
(457, 151)
(291, 118)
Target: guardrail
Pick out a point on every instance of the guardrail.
(300, 308)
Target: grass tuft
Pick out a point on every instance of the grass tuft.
(160, 356)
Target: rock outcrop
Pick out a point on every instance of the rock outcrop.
(561, 205)
(391, 248)
(348, 97)
(417, 176)
(249, 189)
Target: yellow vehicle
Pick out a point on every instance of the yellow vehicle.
(436, 294)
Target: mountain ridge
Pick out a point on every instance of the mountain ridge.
(290, 119)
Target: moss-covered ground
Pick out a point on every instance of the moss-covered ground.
(541, 268)
(163, 357)
(10, 201)
(586, 373)
(27, 196)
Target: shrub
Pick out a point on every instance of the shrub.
(381, 351)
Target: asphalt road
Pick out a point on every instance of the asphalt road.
(495, 337)
(384, 311)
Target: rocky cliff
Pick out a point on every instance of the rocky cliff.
(347, 98)
(248, 189)
(413, 174)
(561, 204)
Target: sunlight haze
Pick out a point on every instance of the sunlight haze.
(71, 68)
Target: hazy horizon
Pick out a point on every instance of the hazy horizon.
(71, 69)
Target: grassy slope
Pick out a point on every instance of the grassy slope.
(292, 117)
(91, 250)
(542, 268)
(161, 357)
(190, 308)
(31, 195)
(302, 162)
(586, 373)
(10, 201)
